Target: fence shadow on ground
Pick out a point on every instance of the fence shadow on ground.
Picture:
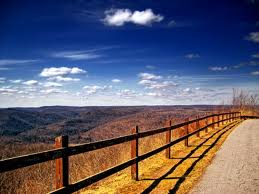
(188, 156)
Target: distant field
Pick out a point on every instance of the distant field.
(84, 124)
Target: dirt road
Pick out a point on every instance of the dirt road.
(235, 168)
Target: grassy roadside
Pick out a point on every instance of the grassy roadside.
(175, 175)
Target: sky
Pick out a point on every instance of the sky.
(107, 52)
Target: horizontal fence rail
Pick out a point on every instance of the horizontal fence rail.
(63, 151)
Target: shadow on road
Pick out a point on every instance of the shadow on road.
(188, 171)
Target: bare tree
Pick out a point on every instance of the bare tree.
(245, 101)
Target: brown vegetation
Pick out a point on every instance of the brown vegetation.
(40, 178)
(245, 102)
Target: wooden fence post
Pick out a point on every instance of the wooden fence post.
(197, 126)
(213, 120)
(168, 139)
(206, 123)
(186, 142)
(218, 120)
(134, 154)
(62, 175)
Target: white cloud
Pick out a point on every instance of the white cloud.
(192, 56)
(52, 84)
(52, 91)
(126, 93)
(30, 82)
(149, 76)
(76, 55)
(155, 94)
(145, 17)
(116, 81)
(16, 61)
(255, 73)
(146, 82)
(187, 90)
(218, 68)
(253, 37)
(63, 79)
(16, 81)
(59, 71)
(255, 55)
(7, 90)
(162, 85)
(118, 17)
(94, 89)
(150, 84)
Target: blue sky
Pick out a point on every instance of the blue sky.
(109, 52)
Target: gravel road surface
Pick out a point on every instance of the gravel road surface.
(235, 168)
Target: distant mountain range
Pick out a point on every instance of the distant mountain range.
(84, 124)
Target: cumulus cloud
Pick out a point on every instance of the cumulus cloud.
(52, 91)
(60, 71)
(89, 90)
(52, 84)
(162, 85)
(253, 37)
(255, 73)
(116, 81)
(149, 76)
(118, 17)
(30, 82)
(146, 82)
(155, 82)
(63, 79)
(126, 93)
(216, 68)
(155, 94)
(192, 56)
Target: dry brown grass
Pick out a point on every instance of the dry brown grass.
(40, 178)
(155, 175)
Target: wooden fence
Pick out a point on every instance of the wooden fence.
(62, 151)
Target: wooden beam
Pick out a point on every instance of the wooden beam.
(186, 142)
(134, 154)
(62, 177)
(168, 139)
